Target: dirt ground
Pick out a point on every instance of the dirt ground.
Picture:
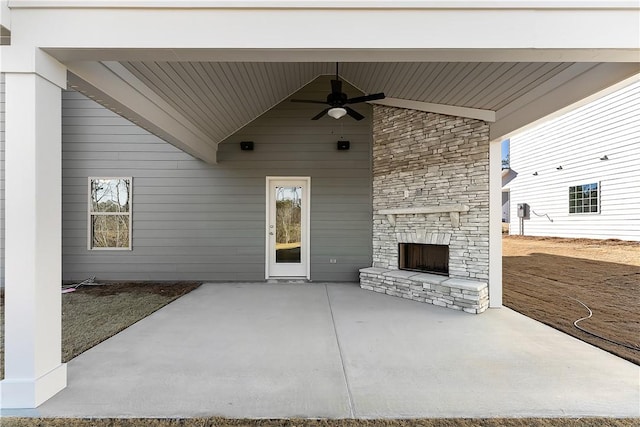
(544, 276)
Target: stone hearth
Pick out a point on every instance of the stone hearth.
(459, 294)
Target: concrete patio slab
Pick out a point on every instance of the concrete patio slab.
(405, 359)
(336, 351)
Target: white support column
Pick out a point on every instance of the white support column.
(495, 224)
(33, 273)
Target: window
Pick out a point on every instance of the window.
(109, 213)
(584, 199)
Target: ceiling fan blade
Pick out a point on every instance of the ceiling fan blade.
(336, 86)
(353, 113)
(309, 101)
(322, 113)
(366, 98)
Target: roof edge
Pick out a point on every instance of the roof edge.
(328, 4)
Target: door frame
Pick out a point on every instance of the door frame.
(306, 219)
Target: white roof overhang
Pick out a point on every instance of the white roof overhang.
(194, 72)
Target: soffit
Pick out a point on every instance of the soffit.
(222, 97)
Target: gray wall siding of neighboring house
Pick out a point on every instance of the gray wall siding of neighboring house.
(194, 221)
(1, 179)
(577, 141)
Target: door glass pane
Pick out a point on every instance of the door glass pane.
(288, 224)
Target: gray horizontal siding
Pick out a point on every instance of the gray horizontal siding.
(193, 221)
(577, 141)
(2, 107)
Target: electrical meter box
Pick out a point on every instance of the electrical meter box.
(523, 210)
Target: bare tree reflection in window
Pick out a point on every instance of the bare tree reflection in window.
(288, 223)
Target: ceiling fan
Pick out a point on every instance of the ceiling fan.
(338, 101)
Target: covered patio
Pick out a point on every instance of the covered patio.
(323, 350)
(196, 73)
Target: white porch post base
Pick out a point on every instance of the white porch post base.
(31, 392)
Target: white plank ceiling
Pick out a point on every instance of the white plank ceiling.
(222, 97)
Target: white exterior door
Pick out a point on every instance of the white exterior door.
(287, 234)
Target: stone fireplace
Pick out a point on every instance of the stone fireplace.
(430, 189)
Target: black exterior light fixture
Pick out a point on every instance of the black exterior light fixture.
(605, 157)
(535, 173)
(246, 145)
(559, 168)
(343, 145)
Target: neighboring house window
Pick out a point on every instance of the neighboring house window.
(584, 198)
(110, 213)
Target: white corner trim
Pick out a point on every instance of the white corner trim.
(451, 110)
(5, 16)
(495, 224)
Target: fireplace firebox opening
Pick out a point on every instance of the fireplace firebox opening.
(424, 258)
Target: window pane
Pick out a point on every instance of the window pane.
(110, 195)
(110, 231)
(584, 198)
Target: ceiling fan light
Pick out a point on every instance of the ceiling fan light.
(337, 112)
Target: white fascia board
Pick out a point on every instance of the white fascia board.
(345, 55)
(547, 102)
(114, 87)
(451, 110)
(272, 28)
(331, 4)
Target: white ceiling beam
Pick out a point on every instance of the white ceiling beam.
(551, 100)
(426, 26)
(451, 110)
(111, 85)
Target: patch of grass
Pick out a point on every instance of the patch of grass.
(94, 313)
(224, 422)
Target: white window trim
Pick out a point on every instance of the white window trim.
(599, 198)
(89, 214)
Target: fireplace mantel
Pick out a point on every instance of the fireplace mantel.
(453, 210)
